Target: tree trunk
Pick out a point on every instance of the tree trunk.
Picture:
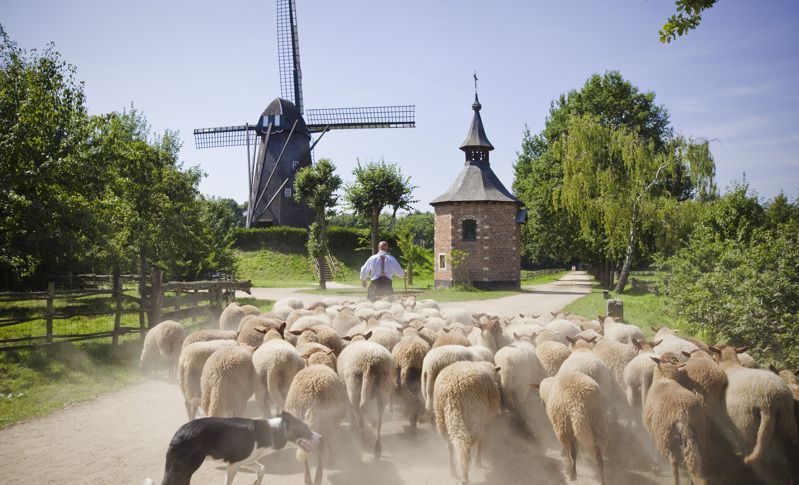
(628, 260)
(409, 272)
(375, 229)
(321, 243)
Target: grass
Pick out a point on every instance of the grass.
(263, 305)
(441, 295)
(543, 279)
(38, 381)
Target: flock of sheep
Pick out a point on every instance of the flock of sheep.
(707, 409)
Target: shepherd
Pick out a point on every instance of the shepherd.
(380, 268)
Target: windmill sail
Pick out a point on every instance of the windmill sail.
(224, 136)
(361, 117)
(288, 53)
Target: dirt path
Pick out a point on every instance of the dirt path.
(121, 438)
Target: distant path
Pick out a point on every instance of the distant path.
(121, 437)
(537, 299)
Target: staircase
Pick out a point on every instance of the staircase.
(330, 267)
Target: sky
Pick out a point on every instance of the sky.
(196, 64)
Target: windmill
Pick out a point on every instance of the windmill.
(279, 142)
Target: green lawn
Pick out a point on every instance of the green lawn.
(442, 295)
(543, 279)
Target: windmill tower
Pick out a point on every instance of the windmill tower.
(280, 142)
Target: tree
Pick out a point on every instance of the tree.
(378, 185)
(612, 182)
(316, 186)
(421, 225)
(687, 18)
(411, 253)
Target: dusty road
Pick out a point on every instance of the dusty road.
(121, 438)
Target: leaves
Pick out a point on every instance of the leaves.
(687, 18)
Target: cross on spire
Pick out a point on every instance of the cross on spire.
(475, 83)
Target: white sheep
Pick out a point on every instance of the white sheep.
(276, 362)
(408, 357)
(518, 368)
(451, 336)
(551, 354)
(576, 409)
(366, 369)
(209, 334)
(190, 369)
(620, 332)
(467, 398)
(318, 396)
(638, 375)
(437, 360)
(459, 315)
(563, 328)
(231, 316)
(615, 355)
(344, 320)
(290, 302)
(673, 416)
(670, 342)
(227, 381)
(163, 342)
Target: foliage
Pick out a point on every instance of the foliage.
(378, 185)
(687, 18)
(738, 278)
(458, 259)
(412, 254)
(421, 227)
(641, 309)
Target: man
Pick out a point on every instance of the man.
(379, 268)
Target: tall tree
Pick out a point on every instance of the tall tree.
(378, 185)
(687, 18)
(316, 186)
(613, 181)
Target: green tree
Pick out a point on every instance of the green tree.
(316, 186)
(378, 185)
(779, 211)
(412, 254)
(687, 18)
(612, 182)
(421, 226)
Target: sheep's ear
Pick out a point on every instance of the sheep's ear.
(296, 332)
(330, 352)
(657, 342)
(741, 350)
(347, 338)
(773, 369)
(567, 314)
(680, 366)
(535, 386)
(261, 329)
(281, 328)
(497, 369)
(446, 330)
(515, 336)
(591, 340)
(655, 328)
(637, 343)
(655, 359)
(521, 315)
(554, 315)
(714, 349)
(570, 340)
(368, 334)
(534, 315)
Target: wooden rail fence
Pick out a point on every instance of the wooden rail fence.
(69, 300)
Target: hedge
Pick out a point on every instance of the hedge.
(294, 239)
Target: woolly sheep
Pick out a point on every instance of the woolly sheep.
(705, 378)
(670, 342)
(620, 332)
(366, 368)
(483, 335)
(430, 312)
(209, 334)
(226, 382)
(408, 356)
(318, 396)
(467, 398)
(251, 310)
(230, 316)
(163, 342)
(289, 302)
(422, 304)
(758, 402)
(563, 328)
(435, 361)
(529, 329)
(615, 355)
(344, 321)
(576, 409)
(518, 368)
(673, 416)
(276, 363)
(282, 311)
(308, 321)
(451, 336)
(295, 315)
(190, 369)
(434, 323)
(385, 336)
(551, 355)
(638, 375)
(322, 334)
(452, 315)
(582, 359)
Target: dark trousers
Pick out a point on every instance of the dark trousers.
(379, 288)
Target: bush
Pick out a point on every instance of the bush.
(280, 238)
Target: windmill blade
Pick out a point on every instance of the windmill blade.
(224, 136)
(362, 117)
(288, 53)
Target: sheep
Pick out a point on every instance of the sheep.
(433, 323)
(422, 304)
(295, 315)
(162, 342)
(430, 312)
(467, 398)
(344, 321)
(615, 355)
(408, 357)
(253, 333)
(418, 328)
(519, 367)
(207, 335)
(485, 334)
(308, 321)
(591, 325)
(434, 362)
(705, 378)
(320, 356)
(620, 332)
(673, 416)
(322, 334)
(281, 311)
(590, 333)
(227, 381)
(756, 396)
(451, 336)
(251, 310)
(576, 409)
(582, 359)
(230, 317)
(529, 329)
(289, 302)
(551, 355)
(563, 328)
(190, 368)
(638, 374)
(318, 396)
(276, 363)
(748, 361)
(366, 368)
(670, 342)
(453, 315)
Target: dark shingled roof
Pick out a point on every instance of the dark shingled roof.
(477, 135)
(288, 112)
(476, 182)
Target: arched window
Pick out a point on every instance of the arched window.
(469, 230)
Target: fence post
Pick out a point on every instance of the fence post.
(156, 297)
(50, 310)
(118, 306)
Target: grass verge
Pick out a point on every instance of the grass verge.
(543, 279)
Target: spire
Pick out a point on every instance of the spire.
(476, 144)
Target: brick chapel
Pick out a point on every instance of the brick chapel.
(478, 215)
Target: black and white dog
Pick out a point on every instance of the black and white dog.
(235, 441)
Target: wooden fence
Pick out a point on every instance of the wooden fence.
(73, 308)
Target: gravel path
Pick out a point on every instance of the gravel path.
(122, 437)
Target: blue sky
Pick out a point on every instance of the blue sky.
(197, 64)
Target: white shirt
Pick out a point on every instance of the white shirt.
(381, 264)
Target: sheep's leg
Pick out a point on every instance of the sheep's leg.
(230, 474)
(451, 452)
(307, 473)
(259, 470)
(675, 470)
(571, 453)
(381, 406)
(464, 452)
(319, 467)
(600, 464)
(479, 453)
(190, 411)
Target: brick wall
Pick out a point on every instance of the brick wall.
(494, 255)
